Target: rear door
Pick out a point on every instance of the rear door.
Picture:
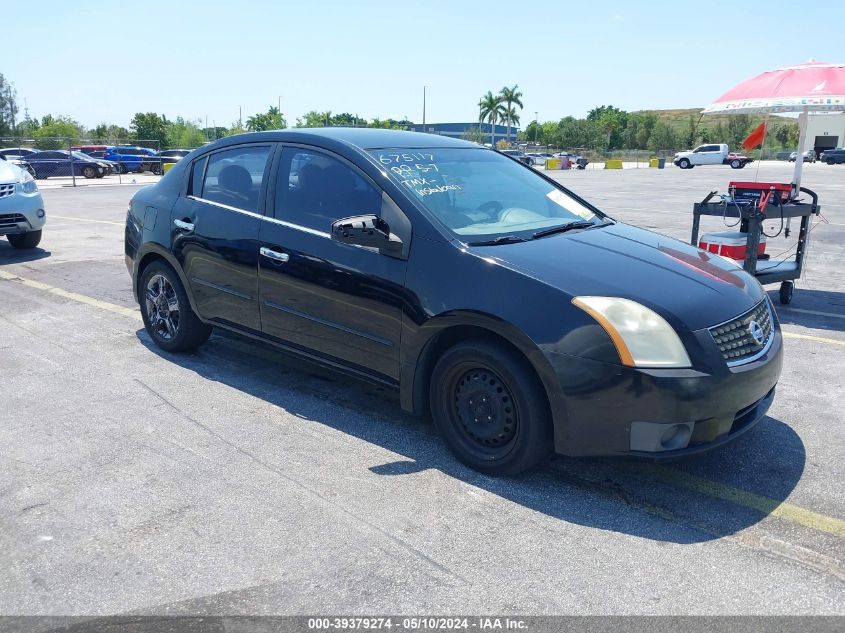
(215, 232)
(339, 301)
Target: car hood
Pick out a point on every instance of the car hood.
(9, 172)
(687, 286)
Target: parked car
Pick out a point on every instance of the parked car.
(520, 316)
(59, 163)
(833, 156)
(17, 153)
(539, 158)
(783, 155)
(711, 154)
(22, 215)
(135, 159)
(98, 153)
(517, 154)
(809, 156)
(167, 157)
(576, 159)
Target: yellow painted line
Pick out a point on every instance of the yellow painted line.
(73, 296)
(815, 312)
(669, 476)
(773, 507)
(817, 339)
(65, 217)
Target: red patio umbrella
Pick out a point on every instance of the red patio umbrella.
(810, 87)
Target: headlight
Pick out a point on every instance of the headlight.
(27, 182)
(642, 337)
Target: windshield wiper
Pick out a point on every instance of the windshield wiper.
(563, 228)
(502, 239)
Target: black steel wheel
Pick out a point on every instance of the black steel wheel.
(25, 240)
(490, 408)
(786, 290)
(168, 317)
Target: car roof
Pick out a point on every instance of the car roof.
(360, 138)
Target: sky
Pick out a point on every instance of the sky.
(99, 62)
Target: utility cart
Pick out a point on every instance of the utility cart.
(750, 204)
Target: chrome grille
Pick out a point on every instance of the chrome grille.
(8, 220)
(7, 190)
(735, 340)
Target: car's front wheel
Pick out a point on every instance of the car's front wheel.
(684, 163)
(490, 408)
(168, 317)
(25, 240)
(89, 172)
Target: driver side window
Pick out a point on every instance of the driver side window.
(314, 190)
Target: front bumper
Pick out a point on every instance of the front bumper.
(617, 410)
(19, 212)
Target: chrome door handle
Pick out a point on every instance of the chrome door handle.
(279, 257)
(185, 226)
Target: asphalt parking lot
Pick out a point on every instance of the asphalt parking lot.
(236, 480)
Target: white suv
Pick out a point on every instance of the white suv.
(22, 213)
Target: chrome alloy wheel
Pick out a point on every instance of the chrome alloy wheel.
(162, 306)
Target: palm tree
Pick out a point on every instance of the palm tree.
(511, 116)
(490, 107)
(511, 97)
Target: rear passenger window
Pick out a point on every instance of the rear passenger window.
(234, 177)
(314, 190)
(197, 172)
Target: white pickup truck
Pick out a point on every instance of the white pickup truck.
(711, 154)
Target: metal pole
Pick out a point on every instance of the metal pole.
(423, 108)
(536, 127)
(72, 169)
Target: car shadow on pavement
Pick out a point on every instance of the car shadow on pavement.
(817, 309)
(690, 501)
(11, 255)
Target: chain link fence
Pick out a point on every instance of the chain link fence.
(75, 162)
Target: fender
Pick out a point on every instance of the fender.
(417, 345)
(154, 248)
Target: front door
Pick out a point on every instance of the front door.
(339, 301)
(215, 233)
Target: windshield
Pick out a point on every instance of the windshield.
(480, 193)
(81, 156)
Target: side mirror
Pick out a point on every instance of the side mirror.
(366, 230)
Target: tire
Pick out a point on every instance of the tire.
(89, 172)
(156, 170)
(684, 163)
(121, 168)
(736, 164)
(25, 240)
(830, 161)
(168, 317)
(786, 290)
(518, 432)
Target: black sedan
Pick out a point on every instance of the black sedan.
(520, 317)
(64, 163)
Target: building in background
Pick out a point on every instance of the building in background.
(457, 130)
(825, 131)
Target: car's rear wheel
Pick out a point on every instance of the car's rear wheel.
(25, 240)
(830, 161)
(736, 163)
(490, 408)
(168, 317)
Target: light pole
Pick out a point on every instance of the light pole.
(424, 108)
(536, 127)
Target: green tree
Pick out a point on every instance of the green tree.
(57, 132)
(611, 121)
(185, 134)
(109, 133)
(511, 97)
(149, 126)
(474, 135)
(490, 107)
(663, 137)
(739, 125)
(270, 120)
(8, 108)
(311, 119)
